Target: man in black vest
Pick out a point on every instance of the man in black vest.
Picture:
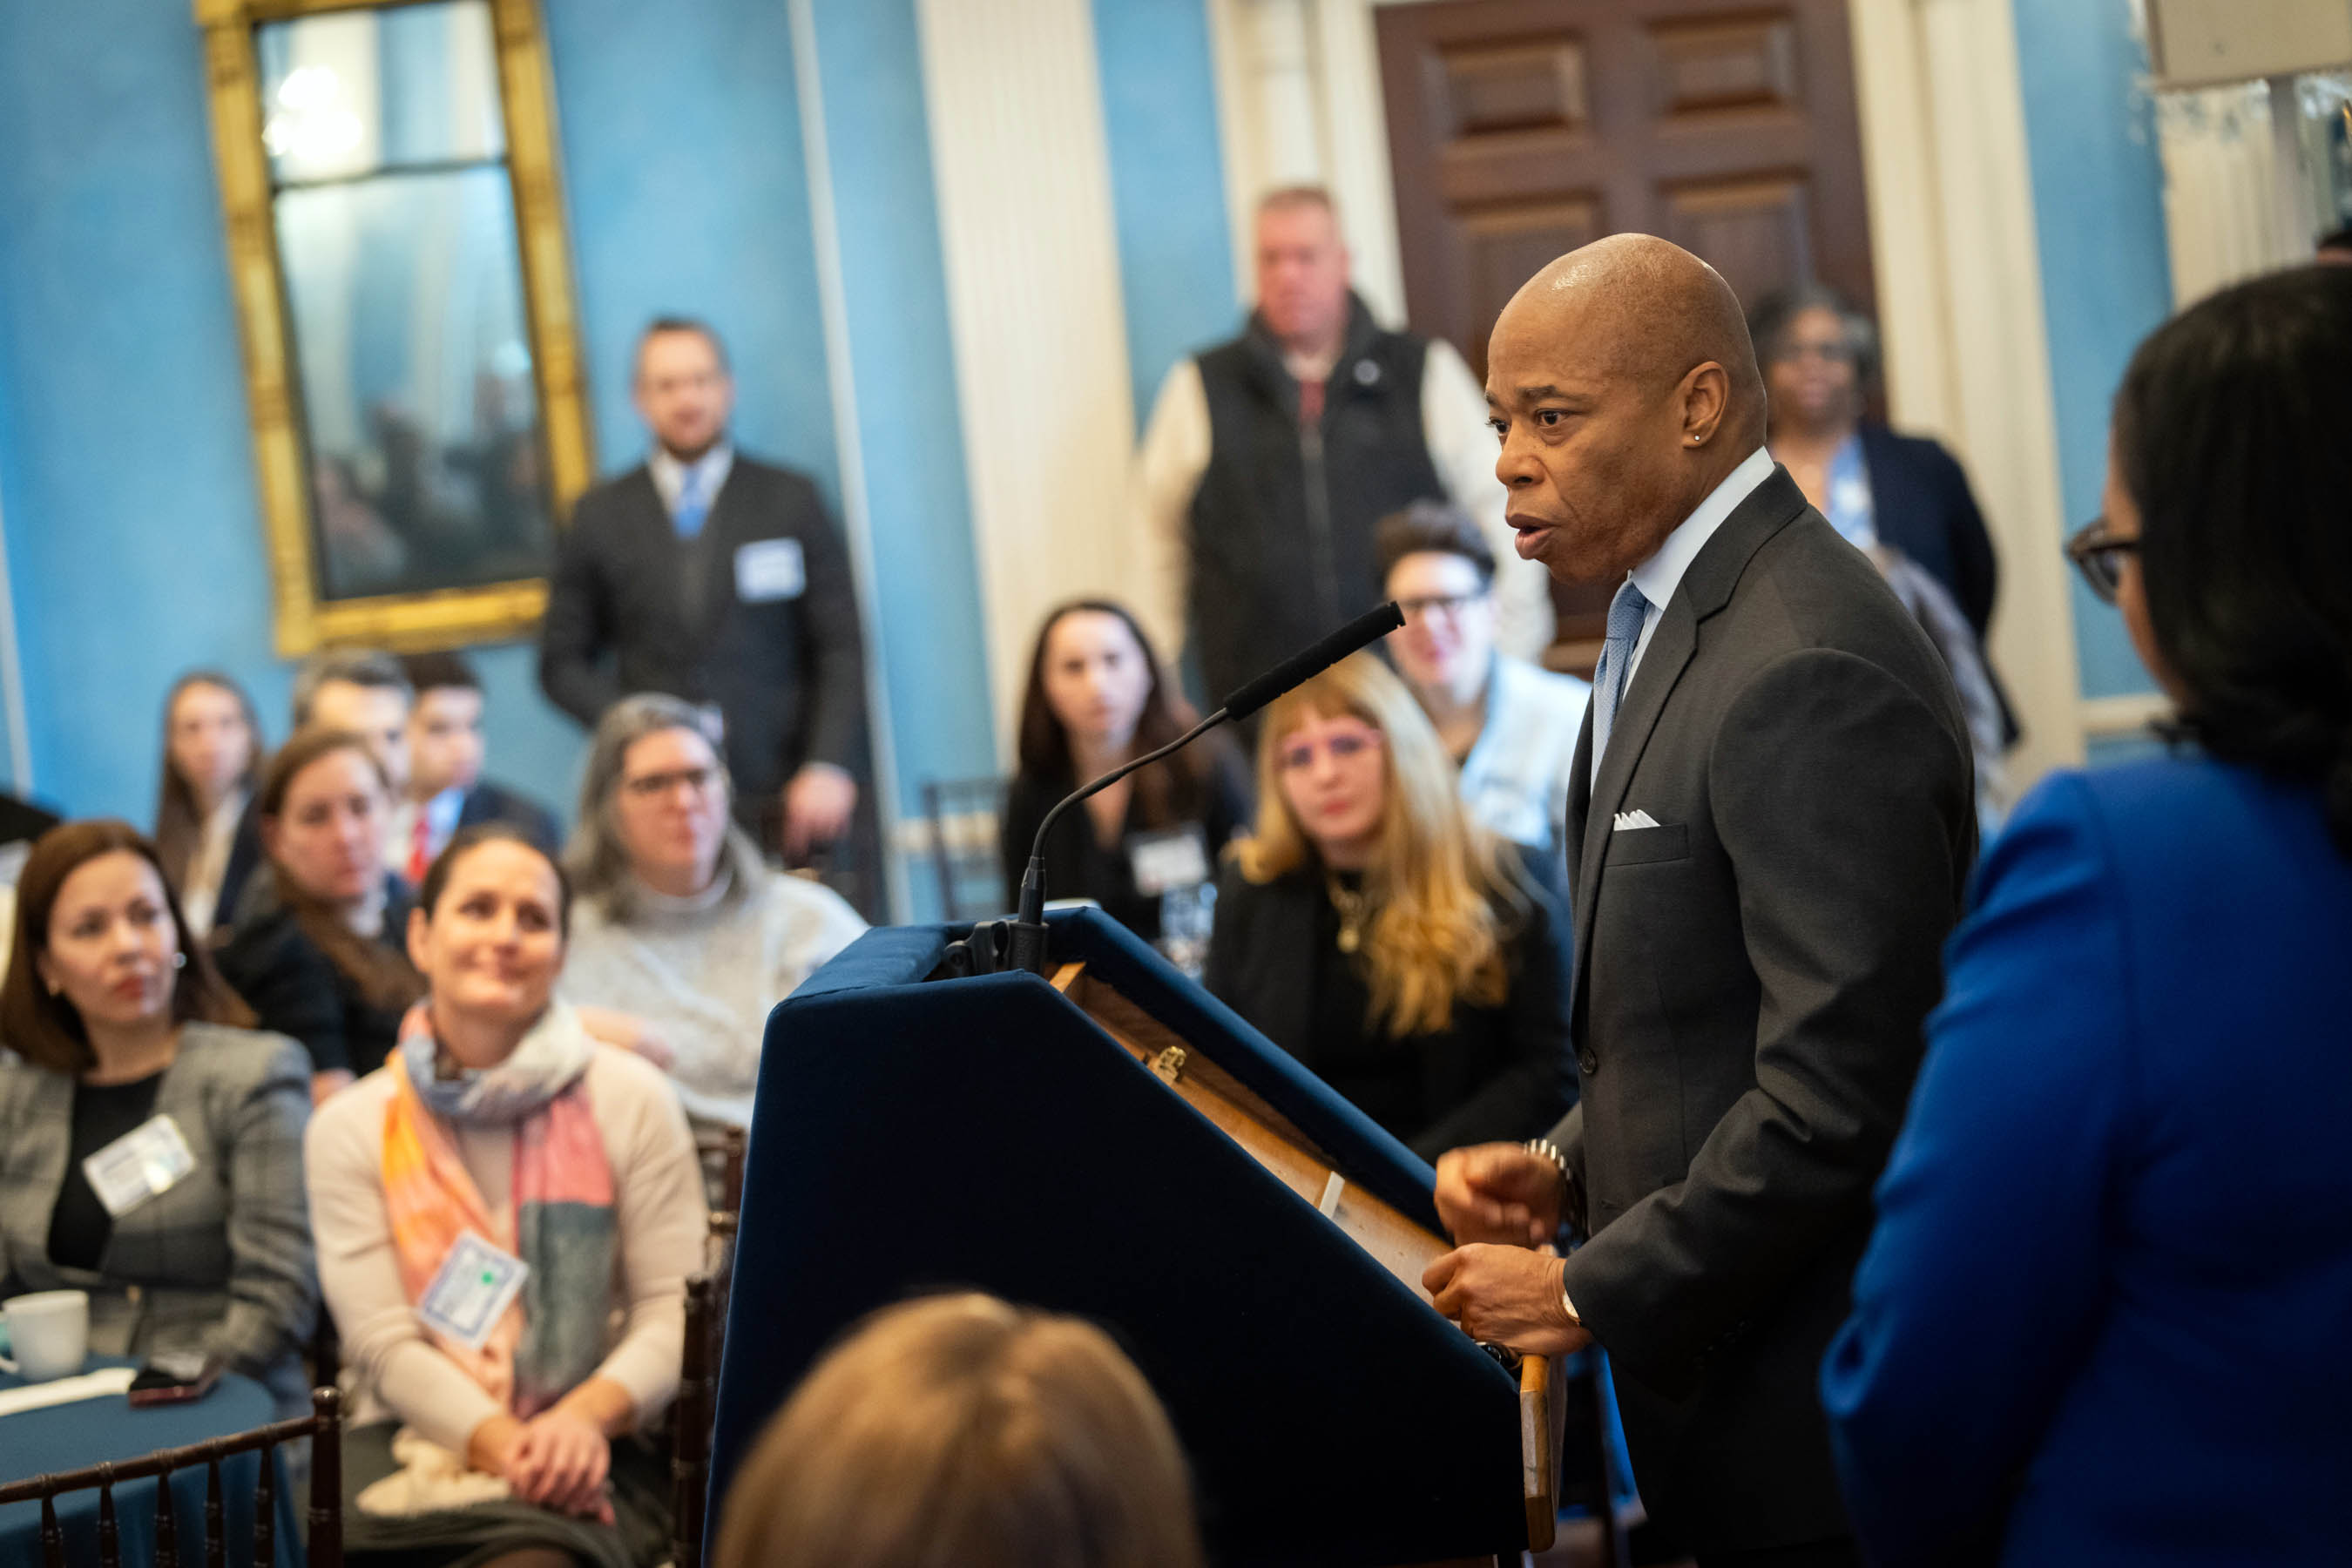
(712, 577)
(1270, 459)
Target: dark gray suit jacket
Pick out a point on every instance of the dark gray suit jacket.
(787, 673)
(1752, 976)
(220, 1264)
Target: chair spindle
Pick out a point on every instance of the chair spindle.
(110, 1541)
(265, 1510)
(215, 1530)
(326, 1549)
(167, 1531)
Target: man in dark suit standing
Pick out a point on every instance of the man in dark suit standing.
(720, 580)
(1769, 827)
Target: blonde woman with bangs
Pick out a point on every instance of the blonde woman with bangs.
(1411, 958)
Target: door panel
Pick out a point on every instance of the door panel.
(1522, 129)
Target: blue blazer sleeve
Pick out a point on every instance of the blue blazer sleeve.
(1979, 1292)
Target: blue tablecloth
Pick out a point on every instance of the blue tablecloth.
(93, 1431)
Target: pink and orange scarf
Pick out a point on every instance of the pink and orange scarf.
(551, 1338)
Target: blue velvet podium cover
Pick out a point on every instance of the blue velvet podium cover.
(913, 1135)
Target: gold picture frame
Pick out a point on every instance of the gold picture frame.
(434, 619)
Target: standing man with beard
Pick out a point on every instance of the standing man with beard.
(1270, 459)
(1769, 823)
(711, 577)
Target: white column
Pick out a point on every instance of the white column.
(849, 441)
(1032, 274)
(2002, 415)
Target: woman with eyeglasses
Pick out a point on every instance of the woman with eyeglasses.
(1376, 933)
(1510, 727)
(1096, 700)
(2104, 1315)
(683, 939)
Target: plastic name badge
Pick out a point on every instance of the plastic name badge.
(144, 1163)
(470, 1290)
(768, 570)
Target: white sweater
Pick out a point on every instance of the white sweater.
(705, 974)
(399, 1374)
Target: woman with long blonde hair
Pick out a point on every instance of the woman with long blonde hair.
(1370, 928)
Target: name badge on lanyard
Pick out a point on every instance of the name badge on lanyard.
(144, 1163)
(1169, 860)
(470, 1290)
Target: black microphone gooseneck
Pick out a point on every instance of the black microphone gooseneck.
(1029, 925)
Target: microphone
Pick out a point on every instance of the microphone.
(1028, 926)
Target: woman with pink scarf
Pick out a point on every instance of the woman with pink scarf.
(506, 1214)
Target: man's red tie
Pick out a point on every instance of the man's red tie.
(420, 850)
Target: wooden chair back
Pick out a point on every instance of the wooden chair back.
(323, 1426)
(696, 1408)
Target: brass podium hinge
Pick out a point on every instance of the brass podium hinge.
(1169, 1063)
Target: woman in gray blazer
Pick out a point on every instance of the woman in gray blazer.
(120, 1039)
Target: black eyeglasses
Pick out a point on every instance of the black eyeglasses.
(2099, 554)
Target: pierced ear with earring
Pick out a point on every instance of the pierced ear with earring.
(180, 959)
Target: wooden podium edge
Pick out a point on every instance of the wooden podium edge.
(1397, 1244)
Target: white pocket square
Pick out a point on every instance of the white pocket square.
(1626, 821)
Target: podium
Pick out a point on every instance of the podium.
(1116, 1143)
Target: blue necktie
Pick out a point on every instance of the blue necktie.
(1625, 613)
(693, 506)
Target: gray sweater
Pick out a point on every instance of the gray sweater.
(704, 971)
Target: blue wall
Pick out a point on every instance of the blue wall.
(2098, 201)
(126, 465)
(1167, 183)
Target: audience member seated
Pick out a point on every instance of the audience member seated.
(1097, 698)
(122, 1039)
(1510, 727)
(318, 955)
(446, 788)
(502, 1133)
(2102, 1317)
(685, 939)
(962, 1430)
(212, 759)
(352, 688)
(1819, 356)
(1376, 933)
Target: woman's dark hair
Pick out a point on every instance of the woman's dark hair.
(468, 839)
(384, 976)
(1170, 792)
(1773, 314)
(2233, 436)
(179, 820)
(44, 1029)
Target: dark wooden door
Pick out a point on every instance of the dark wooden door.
(1520, 129)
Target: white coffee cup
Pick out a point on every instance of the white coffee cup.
(49, 1331)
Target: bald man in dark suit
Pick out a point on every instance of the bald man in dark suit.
(1768, 829)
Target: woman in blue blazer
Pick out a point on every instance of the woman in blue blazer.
(2106, 1314)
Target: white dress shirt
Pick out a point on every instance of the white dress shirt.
(669, 475)
(1662, 574)
(201, 894)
